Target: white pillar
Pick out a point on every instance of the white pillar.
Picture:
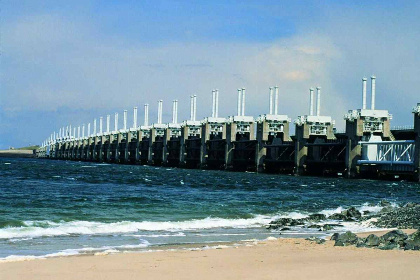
(74, 132)
(94, 127)
(271, 101)
(373, 89)
(173, 111)
(213, 109)
(88, 130)
(191, 107)
(135, 117)
(83, 130)
(176, 111)
(116, 122)
(364, 93)
(78, 132)
(100, 125)
(70, 131)
(146, 114)
(276, 100)
(125, 119)
(239, 101)
(318, 103)
(195, 107)
(311, 102)
(59, 133)
(216, 107)
(243, 102)
(108, 121)
(160, 108)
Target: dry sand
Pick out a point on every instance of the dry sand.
(274, 259)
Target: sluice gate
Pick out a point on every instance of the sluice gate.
(387, 158)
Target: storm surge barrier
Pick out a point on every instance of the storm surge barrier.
(368, 147)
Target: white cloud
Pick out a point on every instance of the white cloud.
(61, 64)
(50, 63)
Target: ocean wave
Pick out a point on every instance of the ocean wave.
(48, 228)
(36, 229)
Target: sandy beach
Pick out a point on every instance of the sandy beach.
(272, 259)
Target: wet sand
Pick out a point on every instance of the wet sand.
(273, 259)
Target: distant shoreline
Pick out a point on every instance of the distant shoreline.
(17, 154)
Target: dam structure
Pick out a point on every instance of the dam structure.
(369, 147)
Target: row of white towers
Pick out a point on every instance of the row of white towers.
(68, 133)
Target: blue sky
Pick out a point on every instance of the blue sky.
(68, 62)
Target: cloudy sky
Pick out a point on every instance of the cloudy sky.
(68, 62)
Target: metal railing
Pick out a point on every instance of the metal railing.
(388, 152)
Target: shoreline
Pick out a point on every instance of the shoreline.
(17, 154)
(186, 247)
(292, 258)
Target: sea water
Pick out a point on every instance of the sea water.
(58, 208)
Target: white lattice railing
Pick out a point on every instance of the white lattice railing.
(388, 152)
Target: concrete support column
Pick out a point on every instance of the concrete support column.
(152, 140)
(94, 147)
(108, 150)
(416, 112)
(117, 147)
(90, 151)
(101, 148)
(301, 151)
(73, 150)
(139, 137)
(261, 151)
(166, 137)
(78, 153)
(354, 132)
(67, 153)
(230, 139)
(81, 147)
(182, 152)
(126, 146)
(205, 136)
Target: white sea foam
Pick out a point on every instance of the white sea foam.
(179, 234)
(357, 227)
(370, 208)
(294, 215)
(270, 238)
(364, 207)
(80, 251)
(20, 239)
(329, 212)
(48, 228)
(221, 234)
